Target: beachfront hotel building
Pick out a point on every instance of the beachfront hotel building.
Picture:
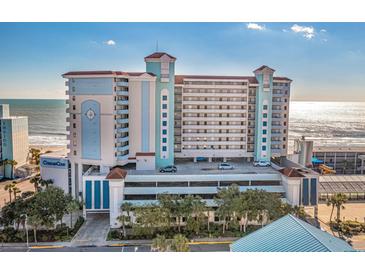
(13, 140)
(124, 126)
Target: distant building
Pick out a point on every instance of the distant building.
(290, 234)
(342, 159)
(13, 140)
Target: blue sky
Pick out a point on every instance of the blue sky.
(325, 60)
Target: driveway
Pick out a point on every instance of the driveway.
(93, 232)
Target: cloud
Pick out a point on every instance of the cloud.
(110, 43)
(307, 32)
(323, 30)
(255, 26)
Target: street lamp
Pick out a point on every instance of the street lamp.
(26, 227)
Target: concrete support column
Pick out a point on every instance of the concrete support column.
(224, 159)
(210, 159)
(195, 159)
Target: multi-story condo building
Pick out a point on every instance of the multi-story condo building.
(125, 126)
(232, 116)
(13, 141)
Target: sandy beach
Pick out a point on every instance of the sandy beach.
(45, 148)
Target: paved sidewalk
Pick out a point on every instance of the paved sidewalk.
(93, 232)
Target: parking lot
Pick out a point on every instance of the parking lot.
(188, 167)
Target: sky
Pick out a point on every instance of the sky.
(326, 61)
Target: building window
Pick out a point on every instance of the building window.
(263, 148)
(164, 106)
(74, 152)
(164, 123)
(264, 115)
(164, 148)
(73, 107)
(164, 98)
(73, 116)
(264, 124)
(73, 98)
(164, 115)
(164, 131)
(283, 146)
(164, 140)
(264, 140)
(74, 134)
(74, 125)
(264, 131)
(265, 107)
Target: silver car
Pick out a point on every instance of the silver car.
(225, 166)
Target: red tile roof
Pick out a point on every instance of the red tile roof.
(105, 72)
(290, 172)
(116, 173)
(159, 55)
(145, 154)
(282, 79)
(263, 67)
(179, 79)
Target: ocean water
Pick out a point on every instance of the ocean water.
(327, 123)
(46, 118)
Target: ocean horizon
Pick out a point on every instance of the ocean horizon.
(327, 123)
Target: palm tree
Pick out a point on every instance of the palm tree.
(12, 163)
(337, 201)
(180, 243)
(45, 183)
(35, 181)
(125, 207)
(72, 207)
(16, 190)
(160, 244)
(9, 188)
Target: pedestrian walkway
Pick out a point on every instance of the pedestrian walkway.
(93, 232)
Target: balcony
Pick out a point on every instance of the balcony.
(122, 93)
(122, 111)
(67, 110)
(122, 130)
(122, 84)
(66, 92)
(68, 128)
(123, 102)
(124, 148)
(122, 157)
(122, 121)
(67, 101)
(66, 83)
(123, 139)
(67, 119)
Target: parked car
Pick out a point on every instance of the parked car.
(261, 163)
(225, 166)
(168, 169)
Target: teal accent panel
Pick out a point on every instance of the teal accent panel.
(88, 194)
(261, 96)
(90, 129)
(91, 86)
(155, 67)
(106, 194)
(305, 197)
(97, 194)
(313, 191)
(145, 116)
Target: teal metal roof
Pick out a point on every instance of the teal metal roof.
(290, 234)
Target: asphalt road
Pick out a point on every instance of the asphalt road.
(193, 248)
